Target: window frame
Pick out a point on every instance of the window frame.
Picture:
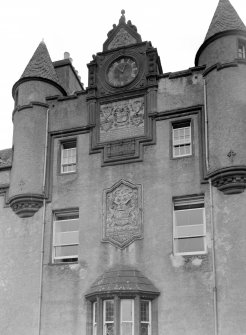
(178, 124)
(136, 299)
(63, 214)
(243, 43)
(132, 322)
(185, 205)
(149, 323)
(61, 151)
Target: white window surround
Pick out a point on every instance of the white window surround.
(189, 227)
(68, 156)
(181, 139)
(65, 237)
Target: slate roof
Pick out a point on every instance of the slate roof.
(225, 18)
(5, 158)
(40, 65)
(122, 279)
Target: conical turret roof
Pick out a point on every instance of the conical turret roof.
(225, 18)
(40, 65)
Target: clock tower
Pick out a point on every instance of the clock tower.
(122, 95)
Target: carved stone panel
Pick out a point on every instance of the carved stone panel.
(122, 215)
(122, 38)
(121, 119)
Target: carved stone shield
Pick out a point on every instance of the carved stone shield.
(122, 213)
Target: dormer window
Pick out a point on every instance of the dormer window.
(242, 49)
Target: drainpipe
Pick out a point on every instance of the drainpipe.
(215, 300)
(43, 223)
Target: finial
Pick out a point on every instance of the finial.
(122, 19)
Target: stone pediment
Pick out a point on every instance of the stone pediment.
(123, 34)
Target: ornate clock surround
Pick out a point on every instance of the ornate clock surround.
(121, 116)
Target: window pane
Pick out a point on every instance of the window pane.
(67, 238)
(194, 244)
(109, 310)
(182, 150)
(69, 250)
(189, 217)
(126, 310)
(66, 225)
(144, 329)
(69, 145)
(109, 329)
(144, 309)
(187, 231)
(66, 216)
(126, 328)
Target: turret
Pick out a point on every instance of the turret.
(38, 81)
(224, 54)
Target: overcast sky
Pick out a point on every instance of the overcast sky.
(175, 27)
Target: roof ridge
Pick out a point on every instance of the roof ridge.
(225, 18)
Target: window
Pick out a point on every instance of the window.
(189, 229)
(68, 157)
(108, 317)
(65, 237)
(94, 318)
(242, 49)
(126, 316)
(145, 317)
(181, 139)
(119, 314)
(122, 301)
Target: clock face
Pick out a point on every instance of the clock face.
(122, 72)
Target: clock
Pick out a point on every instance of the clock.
(122, 71)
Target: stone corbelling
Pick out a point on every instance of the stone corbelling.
(230, 180)
(26, 205)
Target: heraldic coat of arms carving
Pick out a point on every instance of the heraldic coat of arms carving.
(122, 214)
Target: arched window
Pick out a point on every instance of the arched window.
(122, 301)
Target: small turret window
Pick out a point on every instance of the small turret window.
(242, 49)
